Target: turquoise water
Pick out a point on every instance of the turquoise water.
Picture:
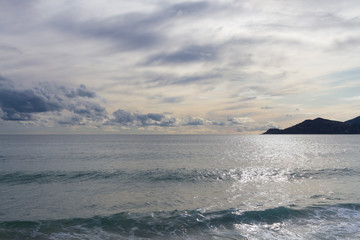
(179, 187)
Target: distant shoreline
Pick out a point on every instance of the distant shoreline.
(320, 126)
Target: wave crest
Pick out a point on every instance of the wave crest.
(183, 224)
(178, 175)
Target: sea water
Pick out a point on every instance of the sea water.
(179, 187)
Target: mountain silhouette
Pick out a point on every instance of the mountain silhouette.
(354, 121)
(321, 126)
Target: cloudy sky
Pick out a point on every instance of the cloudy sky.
(157, 66)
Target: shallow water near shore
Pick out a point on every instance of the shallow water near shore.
(179, 187)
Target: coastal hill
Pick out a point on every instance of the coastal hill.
(355, 120)
(321, 126)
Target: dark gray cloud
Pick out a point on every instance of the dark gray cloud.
(149, 119)
(125, 118)
(196, 78)
(81, 91)
(73, 120)
(188, 54)
(130, 31)
(190, 7)
(48, 104)
(89, 110)
(245, 99)
(18, 104)
(194, 121)
(164, 80)
(172, 99)
(160, 98)
(5, 83)
(168, 122)
(5, 48)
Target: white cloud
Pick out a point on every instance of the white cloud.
(240, 120)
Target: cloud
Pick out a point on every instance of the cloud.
(2, 114)
(128, 31)
(350, 43)
(150, 118)
(23, 10)
(194, 79)
(19, 104)
(160, 98)
(194, 121)
(125, 32)
(90, 110)
(4, 48)
(122, 117)
(79, 92)
(189, 54)
(240, 120)
(172, 99)
(164, 80)
(222, 59)
(49, 104)
(71, 120)
(269, 125)
(186, 8)
(125, 118)
(217, 123)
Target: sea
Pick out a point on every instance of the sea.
(179, 187)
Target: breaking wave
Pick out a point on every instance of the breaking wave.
(340, 221)
(179, 175)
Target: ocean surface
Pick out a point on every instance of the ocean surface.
(179, 187)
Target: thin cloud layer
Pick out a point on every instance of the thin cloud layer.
(187, 55)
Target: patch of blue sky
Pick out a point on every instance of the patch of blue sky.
(348, 92)
(323, 98)
(345, 76)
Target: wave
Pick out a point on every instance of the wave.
(320, 173)
(178, 175)
(274, 223)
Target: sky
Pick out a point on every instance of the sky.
(193, 67)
